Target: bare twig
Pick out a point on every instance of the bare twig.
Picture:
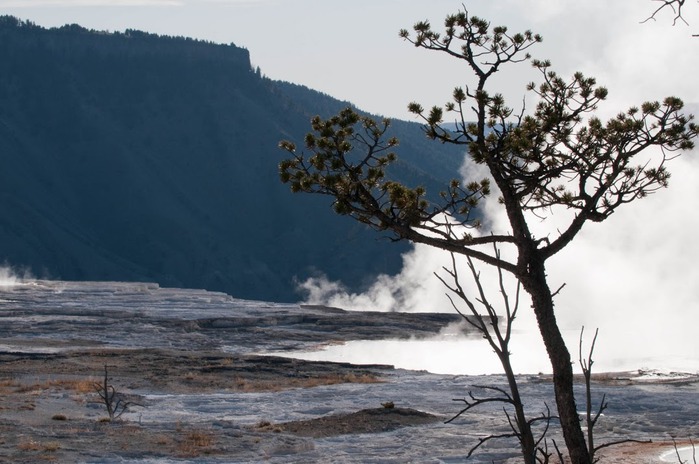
(586, 366)
(558, 452)
(472, 401)
(677, 452)
(675, 6)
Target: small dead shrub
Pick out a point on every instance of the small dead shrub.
(115, 404)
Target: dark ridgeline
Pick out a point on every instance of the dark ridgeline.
(131, 156)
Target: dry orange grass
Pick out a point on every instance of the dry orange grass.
(81, 386)
(24, 388)
(8, 385)
(195, 443)
(51, 446)
(200, 439)
(31, 445)
(162, 440)
(267, 426)
(77, 386)
(247, 385)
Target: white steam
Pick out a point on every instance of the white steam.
(633, 276)
(9, 277)
(414, 289)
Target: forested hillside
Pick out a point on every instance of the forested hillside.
(129, 156)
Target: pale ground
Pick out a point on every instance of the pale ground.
(50, 411)
(182, 358)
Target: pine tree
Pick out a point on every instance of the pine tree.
(559, 156)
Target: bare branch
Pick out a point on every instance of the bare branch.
(674, 5)
(619, 442)
(473, 401)
(483, 440)
(558, 290)
(558, 451)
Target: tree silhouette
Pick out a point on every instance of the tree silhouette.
(561, 156)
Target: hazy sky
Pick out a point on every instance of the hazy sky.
(351, 49)
(635, 274)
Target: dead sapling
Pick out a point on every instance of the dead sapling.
(497, 330)
(114, 402)
(591, 417)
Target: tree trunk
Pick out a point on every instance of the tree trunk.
(542, 301)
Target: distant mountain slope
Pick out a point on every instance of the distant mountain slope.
(130, 156)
